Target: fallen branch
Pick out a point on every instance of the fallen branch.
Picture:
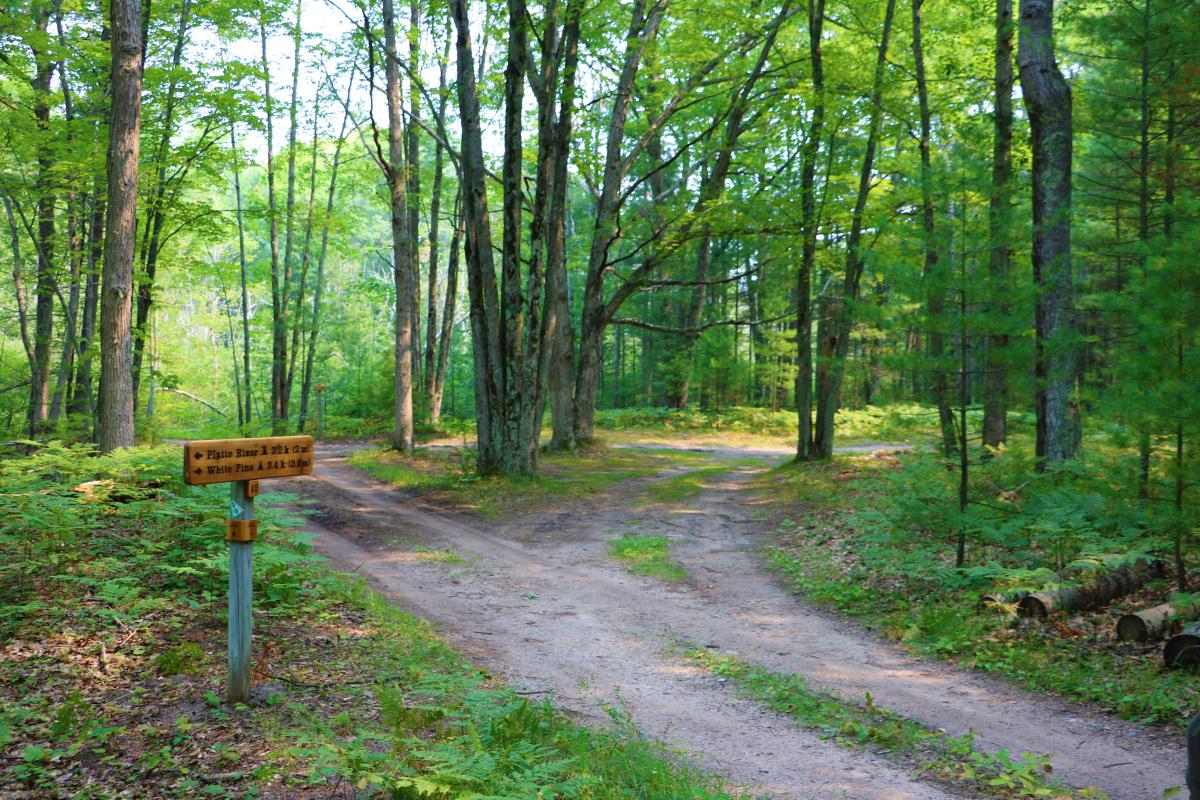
(193, 397)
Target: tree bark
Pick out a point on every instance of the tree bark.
(435, 209)
(1152, 623)
(278, 287)
(280, 401)
(45, 283)
(402, 435)
(996, 359)
(835, 343)
(156, 210)
(1048, 104)
(115, 422)
(810, 223)
(1093, 592)
(242, 272)
(447, 331)
(931, 275)
(83, 399)
(314, 329)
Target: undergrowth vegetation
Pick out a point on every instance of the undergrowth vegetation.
(953, 759)
(647, 555)
(896, 422)
(112, 599)
(449, 475)
(876, 538)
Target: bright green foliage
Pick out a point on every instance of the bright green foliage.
(881, 545)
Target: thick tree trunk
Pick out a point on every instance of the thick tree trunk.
(643, 29)
(931, 275)
(115, 422)
(481, 272)
(402, 435)
(1093, 592)
(835, 343)
(995, 403)
(1048, 104)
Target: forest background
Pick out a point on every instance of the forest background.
(538, 215)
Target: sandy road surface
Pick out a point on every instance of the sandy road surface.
(540, 602)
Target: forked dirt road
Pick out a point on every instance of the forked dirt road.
(539, 601)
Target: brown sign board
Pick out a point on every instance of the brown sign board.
(226, 460)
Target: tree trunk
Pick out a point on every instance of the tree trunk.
(115, 421)
(305, 259)
(83, 399)
(643, 29)
(237, 193)
(435, 209)
(280, 401)
(810, 223)
(931, 275)
(444, 339)
(1048, 104)
(45, 283)
(278, 287)
(156, 211)
(481, 273)
(995, 404)
(412, 149)
(1093, 592)
(315, 328)
(836, 342)
(402, 435)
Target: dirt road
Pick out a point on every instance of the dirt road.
(539, 601)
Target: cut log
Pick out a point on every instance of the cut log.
(1094, 592)
(1183, 649)
(1153, 623)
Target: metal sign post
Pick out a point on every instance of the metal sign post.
(240, 463)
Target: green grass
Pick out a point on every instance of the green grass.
(449, 476)
(953, 759)
(874, 538)
(111, 608)
(647, 555)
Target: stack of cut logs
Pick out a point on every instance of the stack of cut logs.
(1149, 624)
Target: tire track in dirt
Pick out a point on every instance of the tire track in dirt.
(547, 608)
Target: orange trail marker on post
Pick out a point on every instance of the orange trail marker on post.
(241, 463)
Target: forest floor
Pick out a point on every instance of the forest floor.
(714, 655)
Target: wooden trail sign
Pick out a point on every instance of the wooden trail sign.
(225, 460)
(241, 463)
